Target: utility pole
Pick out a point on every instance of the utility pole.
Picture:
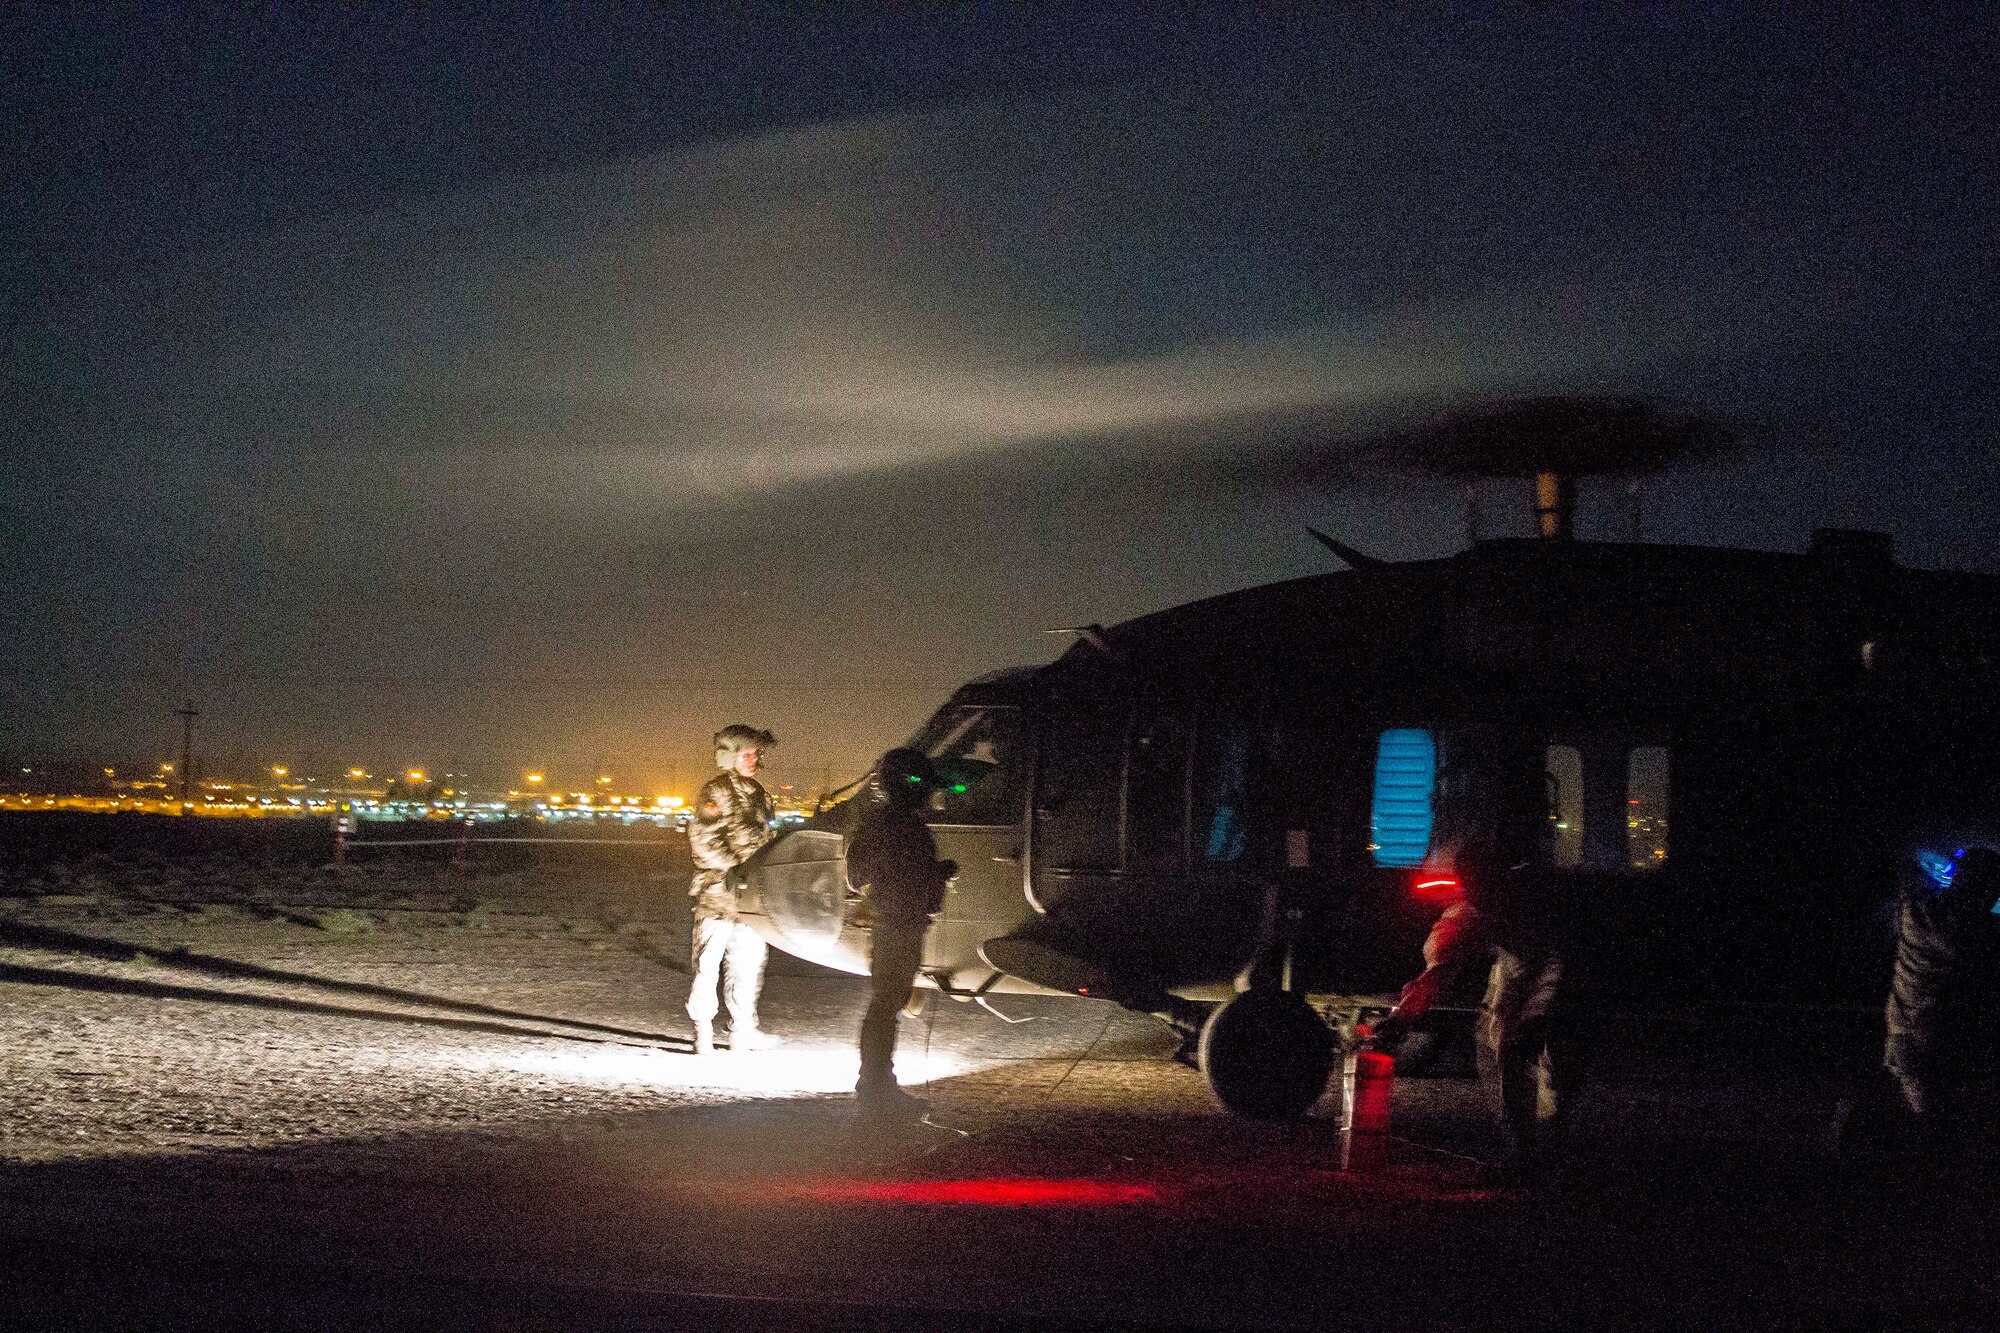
(187, 714)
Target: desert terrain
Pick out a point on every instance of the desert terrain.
(242, 1089)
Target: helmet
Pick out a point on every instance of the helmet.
(905, 777)
(734, 739)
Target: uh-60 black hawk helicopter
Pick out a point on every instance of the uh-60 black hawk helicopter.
(1240, 813)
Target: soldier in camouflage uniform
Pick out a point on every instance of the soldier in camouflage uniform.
(1947, 953)
(1511, 914)
(732, 819)
(1525, 1028)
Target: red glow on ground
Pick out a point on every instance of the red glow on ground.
(992, 1191)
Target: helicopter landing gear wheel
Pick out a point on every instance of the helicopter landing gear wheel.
(1267, 1055)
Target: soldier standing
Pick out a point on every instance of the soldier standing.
(732, 820)
(1947, 948)
(893, 858)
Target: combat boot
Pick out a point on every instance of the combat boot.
(704, 1039)
(887, 1099)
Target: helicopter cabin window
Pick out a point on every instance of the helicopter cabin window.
(1565, 784)
(1156, 793)
(1596, 787)
(1646, 774)
(1222, 779)
(977, 755)
(1405, 785)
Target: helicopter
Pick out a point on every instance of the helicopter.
(1241, 814)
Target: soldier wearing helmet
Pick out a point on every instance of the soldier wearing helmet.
(892, 859)
(1941, 996)
(732, 820)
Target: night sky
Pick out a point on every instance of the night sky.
(551, 391)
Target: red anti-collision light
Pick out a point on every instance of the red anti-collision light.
(1436, 888)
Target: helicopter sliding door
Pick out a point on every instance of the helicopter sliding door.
(1205, 912)
(1147, 849)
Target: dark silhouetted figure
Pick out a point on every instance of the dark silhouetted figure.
(1946, 983)
(1508, 913)
(892, 861)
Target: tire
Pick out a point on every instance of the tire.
(1267, 1055)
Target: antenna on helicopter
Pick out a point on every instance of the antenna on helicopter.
(1355, 559)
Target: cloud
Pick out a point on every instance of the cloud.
(846, 298)
(865, 392)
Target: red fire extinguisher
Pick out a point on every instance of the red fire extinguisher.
(1367, 1083)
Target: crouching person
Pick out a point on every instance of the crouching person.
(1507, 918)
(892, 861)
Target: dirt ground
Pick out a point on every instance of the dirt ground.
(214, 1004)
(240, 1089)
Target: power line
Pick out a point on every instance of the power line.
(637, 682)
(302, 681)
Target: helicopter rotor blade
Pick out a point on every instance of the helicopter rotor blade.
(1355, 559)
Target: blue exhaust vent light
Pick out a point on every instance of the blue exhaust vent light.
(1405, 782)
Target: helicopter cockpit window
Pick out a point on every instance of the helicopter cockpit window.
(977, 755)
(1405, 783)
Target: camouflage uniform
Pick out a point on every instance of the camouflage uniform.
(732, 820)
(1523, 1029)
(1947, 948)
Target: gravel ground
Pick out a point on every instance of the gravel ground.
(257, 999)
(295, 1007)
(264, 1095)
